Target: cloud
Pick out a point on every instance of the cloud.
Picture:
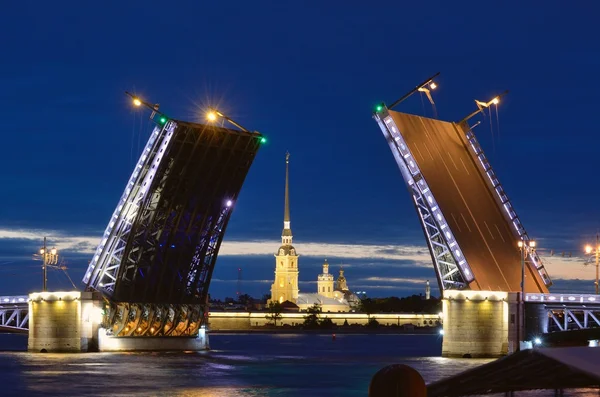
(87, 244)
(58, 239)
(573, 268)
(407, 256)
(416, 254)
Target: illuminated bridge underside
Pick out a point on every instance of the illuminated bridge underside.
(469, 223)
(157, 255)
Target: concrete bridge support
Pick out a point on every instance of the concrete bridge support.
(69, 322)
(479, 323)
(63, 322)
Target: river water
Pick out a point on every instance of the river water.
(239, 365)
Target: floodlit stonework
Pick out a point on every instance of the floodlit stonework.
(479, 323)
(63, 322)
(285, 285)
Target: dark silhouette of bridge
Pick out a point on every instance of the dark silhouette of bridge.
(155, 261)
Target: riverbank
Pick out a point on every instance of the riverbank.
(340, 331)
(246, 321)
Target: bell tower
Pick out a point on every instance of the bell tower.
(325, 282)
(285, 287)
(341, 282)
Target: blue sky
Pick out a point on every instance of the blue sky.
(307, 75)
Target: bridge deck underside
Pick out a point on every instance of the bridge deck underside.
(477, 222)
(173, 245)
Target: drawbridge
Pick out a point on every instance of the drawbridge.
(155, 260)
(470, 225)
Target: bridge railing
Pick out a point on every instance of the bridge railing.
(589, 299)
(14, 300)
(505, 203)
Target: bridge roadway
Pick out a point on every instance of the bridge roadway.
(488, 242)
(577, 311)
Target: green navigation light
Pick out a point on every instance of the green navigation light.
(379, 108)
(263, 140)
(162, 120)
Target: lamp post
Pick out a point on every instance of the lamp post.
(596, 252)
(212, 115)
(49, 257)
(526, 248)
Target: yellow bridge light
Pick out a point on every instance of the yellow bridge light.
(211, 115)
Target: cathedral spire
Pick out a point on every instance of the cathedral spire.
(286, 235)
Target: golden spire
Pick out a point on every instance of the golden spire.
(286, 235)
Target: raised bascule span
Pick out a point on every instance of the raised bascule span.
(472, 231)
(470, 225)
(156, 257)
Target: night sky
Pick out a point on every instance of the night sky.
(305, 74)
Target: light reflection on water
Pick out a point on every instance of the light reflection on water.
(238, 366)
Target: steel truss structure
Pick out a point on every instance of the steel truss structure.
(452, 269)
(572, 317)
(502, 199)
(156, 257)
(568, 311)
(14, 313)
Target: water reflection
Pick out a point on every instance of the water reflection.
(238, 366)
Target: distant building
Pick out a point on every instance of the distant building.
(341, 282)
(285, 285)
(325, 282)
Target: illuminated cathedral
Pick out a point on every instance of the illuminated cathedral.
(332, 297)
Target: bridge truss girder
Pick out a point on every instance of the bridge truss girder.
(572, 318)
(157, 255)
(533, 260)
(14, 313)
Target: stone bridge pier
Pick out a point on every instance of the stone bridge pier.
(479, 324)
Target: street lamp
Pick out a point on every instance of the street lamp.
(526, 248)
(596, 251)
(481, 106)
(213, 114)
(49, 257)
(139, 102)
